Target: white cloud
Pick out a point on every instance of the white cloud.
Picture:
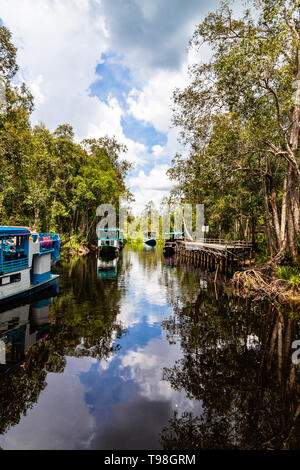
(153, 186)
(156, 180)
(54, 41)
(153, 103)
(59, 46)
(157, 151)
(60, 43)
(36, 86)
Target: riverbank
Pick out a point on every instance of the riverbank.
(280, 284)
(74, 246)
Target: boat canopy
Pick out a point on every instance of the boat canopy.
(13, 232)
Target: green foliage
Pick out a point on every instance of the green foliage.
(48, 180)
(289, 274)
(238, 117)
(8, 65)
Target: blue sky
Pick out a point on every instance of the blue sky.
(110, 67)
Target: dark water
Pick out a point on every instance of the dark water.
(147, 354)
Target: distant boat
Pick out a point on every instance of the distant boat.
(110, 241)
(25, 262)
(150, 238)
(170, 243)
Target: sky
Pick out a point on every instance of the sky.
(109, 67)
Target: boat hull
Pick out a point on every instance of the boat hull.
(150, 242)
(31, 290)
(108, 250)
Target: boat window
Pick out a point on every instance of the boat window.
(10, 279)
(15, 278)
(13, 254)
(13, 248)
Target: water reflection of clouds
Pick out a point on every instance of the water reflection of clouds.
(121, 402)
(129, 315)
(145, 367)
(129, 393)
(134, 424)
(128, 389)
(60, 419)
(145, 294)
(145, 350)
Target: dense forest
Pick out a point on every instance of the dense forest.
(239, 120)
(48, 180)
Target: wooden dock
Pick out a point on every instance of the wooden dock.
(224, 256)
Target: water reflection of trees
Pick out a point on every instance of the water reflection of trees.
(83, 323)
(182, 281)
(237, 362)
(85, 314)
(149, 257)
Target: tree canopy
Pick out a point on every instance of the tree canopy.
(239, 118)
(48, 180)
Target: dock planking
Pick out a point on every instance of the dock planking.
(215, 254)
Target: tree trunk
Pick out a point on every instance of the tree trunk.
(273, 200)
(284, 211)
(36, 218)
(293, 173)
(268, 216)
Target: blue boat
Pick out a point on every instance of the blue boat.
(51, 240)
(150, 238)
(25, 261)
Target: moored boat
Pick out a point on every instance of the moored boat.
(51, 240)
(150, 238)
(109, 241)
(25, 264)
(47, 241)
(170, 243)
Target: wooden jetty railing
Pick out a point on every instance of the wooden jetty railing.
(224, 242)
(215, 254)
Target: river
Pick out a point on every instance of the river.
(146, 354)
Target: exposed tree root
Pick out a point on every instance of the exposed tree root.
(261, 283)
